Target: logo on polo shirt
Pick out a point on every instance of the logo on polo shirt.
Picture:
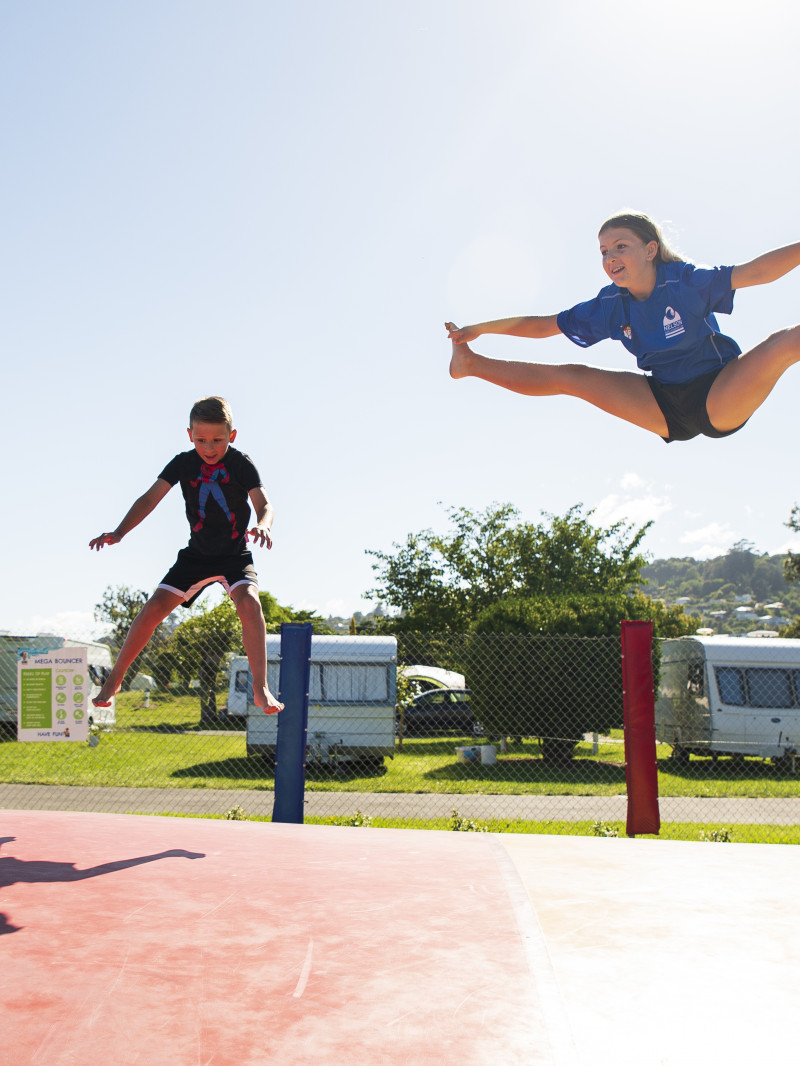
(673, 324)
(628, 332)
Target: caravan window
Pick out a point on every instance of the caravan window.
(695, 684)
(349, 683)
(98, 674)
(757, 686)
(769, 688)
(730, 682)
(243, 681)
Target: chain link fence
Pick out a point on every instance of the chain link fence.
(480, 731)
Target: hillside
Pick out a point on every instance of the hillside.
(738, 592)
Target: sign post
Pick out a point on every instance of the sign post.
(53, 695)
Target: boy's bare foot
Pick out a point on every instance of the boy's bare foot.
(106, 693)
(263, 698)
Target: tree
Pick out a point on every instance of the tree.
(275, 615)
(119, 606)
(443, 582)
(791, 565)
(375, 623)
(200, 645)
(551, 667)
(738, 564)
(195, 647)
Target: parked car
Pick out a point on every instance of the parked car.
(440, 711)
(425, 678)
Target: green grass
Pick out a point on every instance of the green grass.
(690, 831)
(740, 834)
(163, 747)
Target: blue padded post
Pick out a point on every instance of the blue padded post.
(290, 753)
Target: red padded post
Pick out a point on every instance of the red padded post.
(639, 707)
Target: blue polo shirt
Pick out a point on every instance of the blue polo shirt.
(673, 333)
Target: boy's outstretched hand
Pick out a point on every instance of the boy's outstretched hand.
(104, 538)
(263, 537)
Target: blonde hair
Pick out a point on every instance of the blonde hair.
(646, 230)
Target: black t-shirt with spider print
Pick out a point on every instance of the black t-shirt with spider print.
(216, 496)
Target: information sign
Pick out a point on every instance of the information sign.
(53, 694)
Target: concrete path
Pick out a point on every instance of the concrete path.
(207, 801)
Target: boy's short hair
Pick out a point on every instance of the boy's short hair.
(211, 409)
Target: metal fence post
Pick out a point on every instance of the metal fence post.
(290, 753)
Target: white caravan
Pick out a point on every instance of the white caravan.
(729, 695)
(99, 657)
(351, 699)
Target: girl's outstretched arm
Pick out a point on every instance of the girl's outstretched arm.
(533, 326)
(767, 267)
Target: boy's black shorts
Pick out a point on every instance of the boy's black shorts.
(193, 571)
(684, 408)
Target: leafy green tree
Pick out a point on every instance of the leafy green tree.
(199, 647)
(667, 575)
(791, 565)
(194, 647)
(711, 586)
(375, 623)
(275, 615)
(551, 666)
(587, 615)
(167, 664)
(318, 624)
(443, 582)
(405, 691)
(738, 564)
(118, 608)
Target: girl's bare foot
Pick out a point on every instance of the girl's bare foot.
(460, 361)
(263, 698)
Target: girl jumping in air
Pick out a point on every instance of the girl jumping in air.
(696, 380)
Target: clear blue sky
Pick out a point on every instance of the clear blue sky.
(282, 203)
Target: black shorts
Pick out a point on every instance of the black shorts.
(684, 408)
(193, 571)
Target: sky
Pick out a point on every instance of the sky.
(283, 202)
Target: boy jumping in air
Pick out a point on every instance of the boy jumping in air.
(216, 481)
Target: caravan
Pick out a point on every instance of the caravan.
(729, 695)
(351, 699)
